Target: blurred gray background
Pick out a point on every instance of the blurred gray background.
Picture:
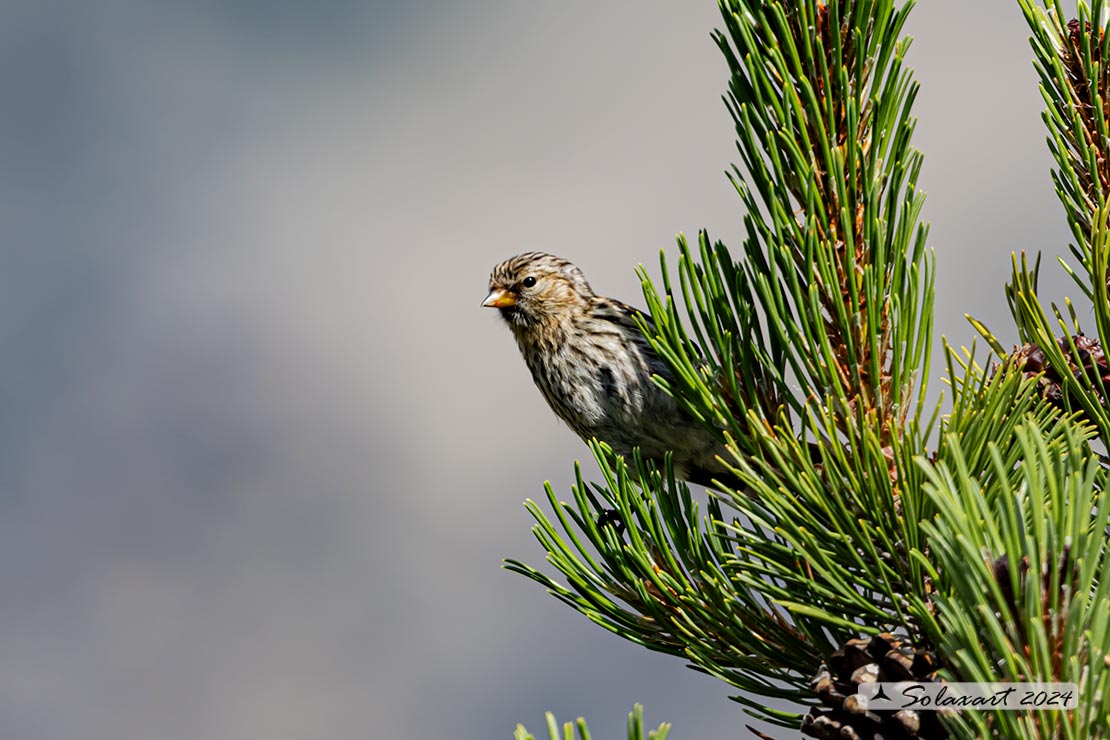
(262, 452)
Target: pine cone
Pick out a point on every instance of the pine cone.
(1075, 31)
(883, 658)
(1088, 360)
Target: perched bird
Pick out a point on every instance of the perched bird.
(593, 365)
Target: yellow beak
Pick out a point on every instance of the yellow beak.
(499, 298)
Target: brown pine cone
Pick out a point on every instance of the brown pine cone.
(883, 658)
(1088, 360)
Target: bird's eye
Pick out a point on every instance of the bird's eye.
(528, 282)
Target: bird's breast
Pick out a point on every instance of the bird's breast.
(600, 386)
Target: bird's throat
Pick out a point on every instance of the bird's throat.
(543, 335)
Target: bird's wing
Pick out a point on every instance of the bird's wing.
(625, 315)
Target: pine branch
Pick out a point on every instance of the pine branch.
(1071, 59)
(835, 255)
(663, 575)
(578, 729)
(1026, 549)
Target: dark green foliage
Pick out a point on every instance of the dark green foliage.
(979, 535)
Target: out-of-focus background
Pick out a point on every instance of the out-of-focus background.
(261, 452)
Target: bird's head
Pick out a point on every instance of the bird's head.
(534, 289)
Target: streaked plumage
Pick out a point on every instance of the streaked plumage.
(594, 366)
